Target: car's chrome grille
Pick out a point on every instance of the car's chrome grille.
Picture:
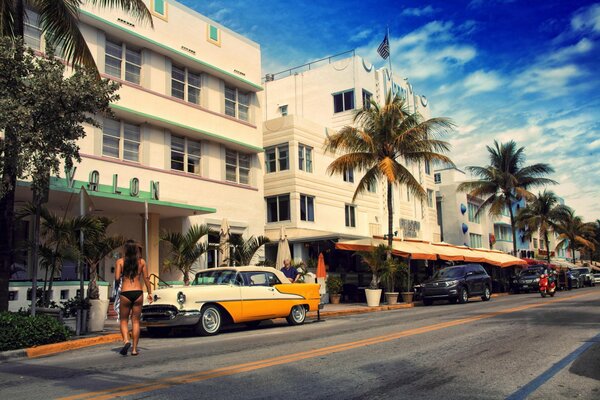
(158, 313)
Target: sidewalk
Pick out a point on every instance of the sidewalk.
(111, 334)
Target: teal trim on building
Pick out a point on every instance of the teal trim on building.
(171, 50)
(214, 33)
(159, 7)
(210, 134)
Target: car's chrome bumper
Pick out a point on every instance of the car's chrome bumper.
(168, 316)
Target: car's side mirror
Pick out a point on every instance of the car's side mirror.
(469, 273)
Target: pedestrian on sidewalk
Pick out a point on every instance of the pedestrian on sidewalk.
(132, 268)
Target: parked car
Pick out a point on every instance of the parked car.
(576, 279)
(528, 279)
(585, 276)
(596, 276)
(457, 283)
(230, 295)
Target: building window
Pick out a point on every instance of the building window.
(237, 103)
(213, 35)
(278, 208)
(32, 31)
(366, 99)
(350, 217)
(237, 167)
(283, 110)
(13, 295)
(64, 294)
(427, 167)
(307, 208)
(535, 243)
(343, 101)
(430, 198)
(185, 155)
(372, 187)
(505, 211)
(121, 140)
(475, 240)
(159, 8)
(119, 57)
(277, 158)
(185, 85)
(349, 175)
(305, 158)
(473, 216)
(503, 233)
(437, 178)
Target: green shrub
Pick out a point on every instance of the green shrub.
(334, 284)
(19, 331)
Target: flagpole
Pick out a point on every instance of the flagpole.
(390, 61)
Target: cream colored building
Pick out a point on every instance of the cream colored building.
(186, 138)
(301, 107)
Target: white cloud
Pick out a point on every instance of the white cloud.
(552, 81)
(566, 53)
(587, 19)
(418, 12)
(481, 81)
(363, 34)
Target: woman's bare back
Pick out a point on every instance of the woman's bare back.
(134, 283)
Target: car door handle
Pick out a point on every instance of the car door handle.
(271, 289)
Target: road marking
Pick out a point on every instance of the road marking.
(553, 370)
(289, 358)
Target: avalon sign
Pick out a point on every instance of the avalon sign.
(93, 184)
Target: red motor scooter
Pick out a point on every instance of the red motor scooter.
(547, 286)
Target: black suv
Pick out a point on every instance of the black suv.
(457, 283)
(529, 279)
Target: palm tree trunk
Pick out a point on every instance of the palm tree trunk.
(34, 257)
(547, 246)
(390, 205)
(93, 291)
(512, 227)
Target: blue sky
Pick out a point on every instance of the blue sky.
(501, 69)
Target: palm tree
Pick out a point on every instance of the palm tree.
(96, 246)
(244, 249)
(540, 215)
(381, 139)
(506, 180)
(375, 259)
(573, 231)
(185, 250)
(59, 21)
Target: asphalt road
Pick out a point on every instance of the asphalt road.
(514, 347)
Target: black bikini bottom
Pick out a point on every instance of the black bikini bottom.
(132, 295)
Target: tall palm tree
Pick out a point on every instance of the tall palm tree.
(573, 232)
(541, 215)
(59, 21)
(380, 140)
(244, 249)
(185, 250)
(506, 180)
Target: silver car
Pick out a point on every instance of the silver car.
(596, 277)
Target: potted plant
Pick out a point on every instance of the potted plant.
(407, 284)
(374, 259)
(69, 311)
(334, 288)
(389, 276)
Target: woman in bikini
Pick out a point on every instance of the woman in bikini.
(133, 269)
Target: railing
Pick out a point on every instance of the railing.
(156, 281)
(308, 66)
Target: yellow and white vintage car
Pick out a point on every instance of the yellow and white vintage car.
(230, 295)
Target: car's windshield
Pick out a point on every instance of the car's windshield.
(449, 273)
(216, 277)
(531, 271)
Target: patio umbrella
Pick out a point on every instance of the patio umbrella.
(283, 249)
(224, 242)
(321, 274)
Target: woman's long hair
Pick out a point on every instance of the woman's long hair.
(131, 259)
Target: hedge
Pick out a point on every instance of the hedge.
(18, 331)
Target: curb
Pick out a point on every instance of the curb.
(361, 310)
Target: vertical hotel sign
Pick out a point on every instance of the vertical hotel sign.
(93, 185)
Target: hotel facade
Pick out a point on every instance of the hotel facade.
(185, 144)
(302, 106)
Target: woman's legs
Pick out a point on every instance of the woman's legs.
(124, 311)
(135, 321)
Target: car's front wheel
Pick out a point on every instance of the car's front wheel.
(210, 321)
(463, 296)
(297, 315)
(487, 294)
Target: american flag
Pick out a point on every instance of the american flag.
(384, 48)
